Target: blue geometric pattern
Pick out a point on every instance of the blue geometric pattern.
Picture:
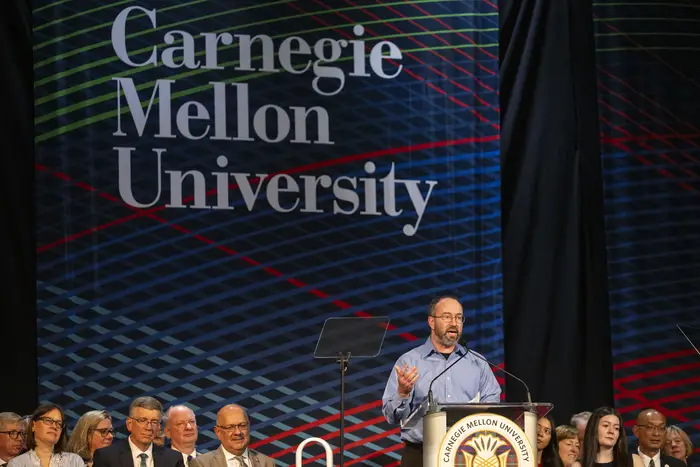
(211, 307)
(648, 62)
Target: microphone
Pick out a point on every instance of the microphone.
(431, 404)
(527, 389)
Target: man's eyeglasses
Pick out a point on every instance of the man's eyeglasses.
(52, 422)
(104, 432)
(449, 318)
(145, 421)
(240, 426)
(14, 434)
(653, 428)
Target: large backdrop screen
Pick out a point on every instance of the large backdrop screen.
(216, 179)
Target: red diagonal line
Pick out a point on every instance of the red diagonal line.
(408, 72)
(643, 144)
(653, 358)
(653, 54)
(645, 402)
(374, 454)
(658, 372)
(359, 442)
(660, 401)
(315, 423)
(441, 39)
(646, 161)
(463, 36)
(651, 101)
(656, 120)
(303, 168)
(416, 41)
(333, 434)
(668, 384)
(635, 138)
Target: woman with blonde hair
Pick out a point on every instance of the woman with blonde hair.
(569, 446)
(93, 431)
(678, 443)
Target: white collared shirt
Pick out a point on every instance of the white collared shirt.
(230, 462)
(185, 456)
(136, 452)
(646, 459)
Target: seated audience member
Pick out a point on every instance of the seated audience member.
(605, 442)
(579, 421)
(678, 443)
(138, 450)
(11, 436)
(46, 441)
(233, 430)
(25, 427)
(547, 445)
(181, 428)
(569, 445)
(650, 430)
(93, 431)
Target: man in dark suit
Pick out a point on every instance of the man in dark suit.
(233, 430)
(138, 450)
(650, 430)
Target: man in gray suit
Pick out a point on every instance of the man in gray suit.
(233, 430)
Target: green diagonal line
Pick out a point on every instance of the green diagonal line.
(142, 15)
(105, 97)
(56, 58)
(131, 71)
(37, 10)
(87, 12)
(105, 115)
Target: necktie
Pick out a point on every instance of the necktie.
(651, 463)
(143, 457)
(189, 458)
(241, 461)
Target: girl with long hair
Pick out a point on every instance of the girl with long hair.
(605, 442)
(547, 445)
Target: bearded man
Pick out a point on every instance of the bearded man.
(471, 379)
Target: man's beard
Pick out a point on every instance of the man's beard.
(446, 339)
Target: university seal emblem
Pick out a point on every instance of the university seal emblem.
(486, 440)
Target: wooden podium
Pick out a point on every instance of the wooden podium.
(437, 421)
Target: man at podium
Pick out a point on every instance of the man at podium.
(470, 379)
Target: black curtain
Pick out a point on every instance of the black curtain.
(19, 391)
(556, 317)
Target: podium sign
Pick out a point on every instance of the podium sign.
(482, 435)
(486, 440)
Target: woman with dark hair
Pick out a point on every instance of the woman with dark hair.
(547, 445)
(605, 443)
(46, 441)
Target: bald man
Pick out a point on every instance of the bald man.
(650, 430)
(408, 383)
(233, 430)
(181, 428)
